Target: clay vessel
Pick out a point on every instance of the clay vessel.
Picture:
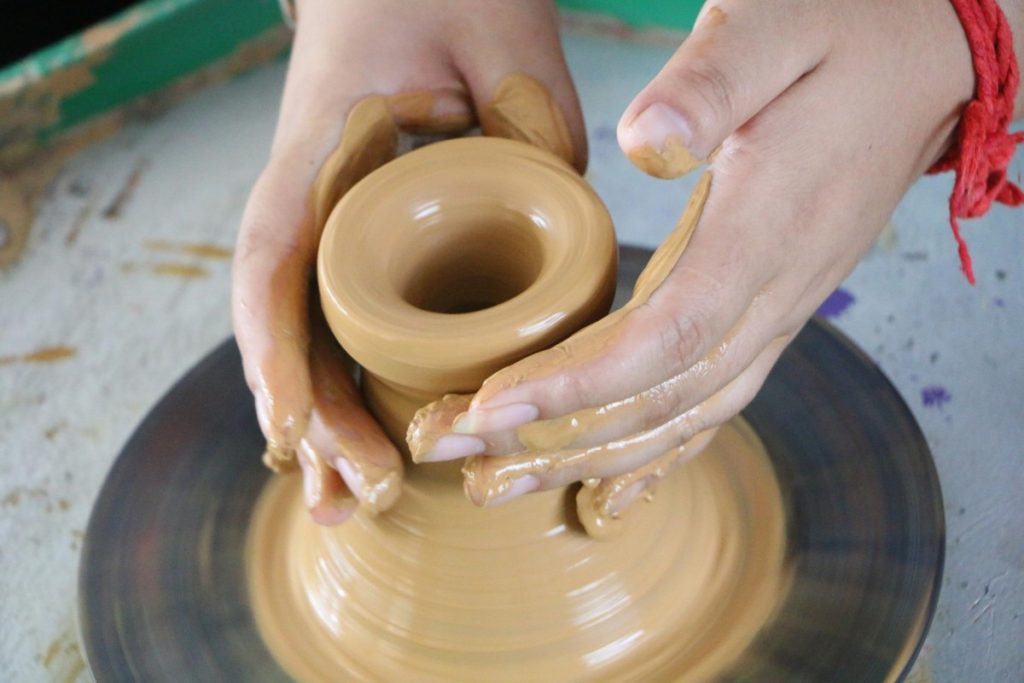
(455, 260)
(435, 271)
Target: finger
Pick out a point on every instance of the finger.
(521, 108)
(270, 307)
(521, 84)
(600, 505)
(643, 411)
(326, 496)
(278, 236)
(740, 57)
(440, 110)
(495, 480)
(277, 247)
(369, 141)
(343, 434)
(430, 437)
(691, 311)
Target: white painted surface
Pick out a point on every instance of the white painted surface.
(62, 423)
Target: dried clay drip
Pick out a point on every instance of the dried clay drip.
(436, 270)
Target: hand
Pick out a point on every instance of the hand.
(379, 68)
(822, 114)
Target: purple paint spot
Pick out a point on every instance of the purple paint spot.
(935, 397)
(998, 301)
(604, 134)
(836, 303)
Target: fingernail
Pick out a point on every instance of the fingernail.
(658, 142)
(483, 421)
(310, 487)
(376, 488)
(517, 487)
(452, 446)
(352, 478)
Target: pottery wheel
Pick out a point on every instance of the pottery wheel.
(162, 591)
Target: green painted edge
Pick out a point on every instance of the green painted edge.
(150, 45)
(677, 15)
(156, 41)
(186, 38)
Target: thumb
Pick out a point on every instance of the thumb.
(520, 82)
(739, 58)
(523, 109)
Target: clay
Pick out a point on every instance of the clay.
(523, 109)
(46, 354)
(543, 442)
(672, 160)
(371, 137)
(435, 590)
(485, 251)
(512, 252)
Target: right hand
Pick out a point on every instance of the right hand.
(380, 61)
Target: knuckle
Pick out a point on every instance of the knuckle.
(681, 336)
(711, 94)
(691, 423)
(573, 389)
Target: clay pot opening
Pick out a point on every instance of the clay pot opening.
(471, 258)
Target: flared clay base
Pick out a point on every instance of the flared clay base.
(437, 590)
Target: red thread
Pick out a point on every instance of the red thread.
(984, 144)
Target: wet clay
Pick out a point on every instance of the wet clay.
(543, 442)
(523, 109)
(485, 251)
(672, 160)
(503, 251)
(436, 590)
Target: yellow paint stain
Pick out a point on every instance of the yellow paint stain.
(200, 249)
(113, 210)
(53, 430)
(46, 659)
(180, 270)
(14, 497)
(46, 354)
(63, 658)
(106, 34)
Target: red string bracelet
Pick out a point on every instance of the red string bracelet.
(984, 144)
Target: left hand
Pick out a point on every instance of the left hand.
(824, 114)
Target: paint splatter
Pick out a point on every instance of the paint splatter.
(935, 397)
(604, 134)
(836, 303)
(181, 270)
(200, 249)
(113, 210)
(999, 302)
(48, 354)
(63, 658)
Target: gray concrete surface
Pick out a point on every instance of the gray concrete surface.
(137, 315)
